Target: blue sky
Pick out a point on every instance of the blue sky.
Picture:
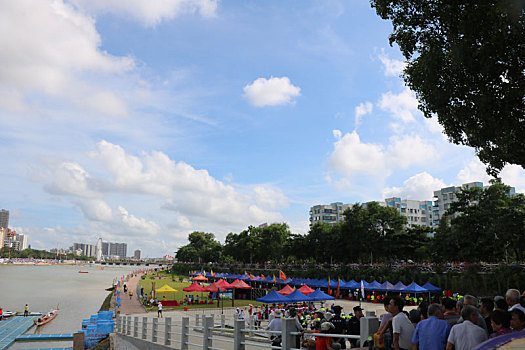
(141, 122)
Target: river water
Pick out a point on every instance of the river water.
(78, 295)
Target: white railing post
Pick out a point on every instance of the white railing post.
(167, 331)
(207, 323)
(128, 323)
(119, 324)
(223, 322)
(197, 319)
(136, 326)
(238, 335)
(155, 330)
(251, 325)
(185, 330)
(144, 327)
(288, 340)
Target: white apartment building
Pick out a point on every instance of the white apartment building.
(418, 213)
(331, 214)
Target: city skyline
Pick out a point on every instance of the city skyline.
(142, 124)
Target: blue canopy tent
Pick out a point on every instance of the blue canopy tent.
(398, 287)
(431, 288)
(373, 286)
(352, 285)
(414, 288)
(386, 287)
(318, 295)
(273, 298)
(297, 296)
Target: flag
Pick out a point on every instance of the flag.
(274, 280)
(212, 273)
(252, 277)
(337, 293)
(362, 288)
(282, 275)
(329, 289)
(262, 276)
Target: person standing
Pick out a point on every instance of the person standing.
(159, 309)
(401, 325)
(26, 310)
(512, 297)
(354, 324)
(466, 335)
(431, 333)
(340, 325)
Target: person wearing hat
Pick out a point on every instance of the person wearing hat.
(340, 325)
(354, 324)
(325, 343)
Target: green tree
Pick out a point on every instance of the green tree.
(465, 64)
(202, 247)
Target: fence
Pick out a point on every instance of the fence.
(205, 334)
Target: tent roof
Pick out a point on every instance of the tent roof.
(298, 296)
(194, 287)
(240, 285)
(166, 289)
(273, 297)
(286, 290)
(200, 278)
(414, 288)
(223, 284)
(306, 290)
(430, 287)
(373, 286)
(399, 286)
(318, 295)
(385, 287)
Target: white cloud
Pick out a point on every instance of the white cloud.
(434, 126)
(402, 106)
(270, 198)
(51, 49)
(362, 110)
(351, 156)
(475, 170)
(393, 67)
(96, 210)
(271, 92)
(418, 187)
(147, 12)
(337, 134)
(406, 151)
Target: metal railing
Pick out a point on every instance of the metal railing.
(205, 334)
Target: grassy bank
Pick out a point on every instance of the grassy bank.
(106, 305)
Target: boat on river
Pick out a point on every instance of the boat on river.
(83, 271)
(50, 316)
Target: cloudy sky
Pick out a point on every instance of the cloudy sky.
(140, 121)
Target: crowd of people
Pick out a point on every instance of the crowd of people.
(448, 325)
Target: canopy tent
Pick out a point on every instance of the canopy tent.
(414, 288)
(194, 287)
(166, 289)
(200, 278)
(213, 288)
(306, 290)
(318, 295)
(373, 286)
(273, 297)
(223, 284)
(286, 290)
(386, 287)
(351, 285)
(238, 284)
(398, 287)
(431, 288)
(297, 296)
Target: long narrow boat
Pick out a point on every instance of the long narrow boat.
(83, 271)
(50, 316)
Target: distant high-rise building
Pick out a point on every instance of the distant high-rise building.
(418, 213)
(98, 249)
(4, 218)
(138, 254)
(118, 249)
(331, 214)
(87, 249)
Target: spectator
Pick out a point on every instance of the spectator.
(385, 327)
(340, 325)
(517, 321)
(354, 324)
(401, 325)
(473, 301)
(432, 333)
(275, 324)
(512, 297)
(423, 309)
(449, 311)
(500, 323)
(500, 303)
(486, 308)
(466, 335)
(414, 316)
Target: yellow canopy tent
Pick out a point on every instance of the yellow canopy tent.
(166, 289)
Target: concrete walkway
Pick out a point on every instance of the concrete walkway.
(131, 305)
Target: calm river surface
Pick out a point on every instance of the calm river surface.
(43, 287)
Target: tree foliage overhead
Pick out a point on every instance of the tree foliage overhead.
(466, 64)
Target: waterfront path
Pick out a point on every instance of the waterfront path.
(131, 305)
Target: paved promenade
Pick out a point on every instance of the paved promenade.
(131, 306)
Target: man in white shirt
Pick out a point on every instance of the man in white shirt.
(401, 325)
(512, 297)
(466, 335)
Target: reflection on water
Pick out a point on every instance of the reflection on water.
(78, 295)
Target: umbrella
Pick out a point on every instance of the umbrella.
(194, 287)
(273, 297)
(505, 341)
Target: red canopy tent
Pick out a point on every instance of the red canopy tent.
(200, 278)
(223, 284)
(240, 285)
(194, 287)
(286, 290)
(306, 290)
